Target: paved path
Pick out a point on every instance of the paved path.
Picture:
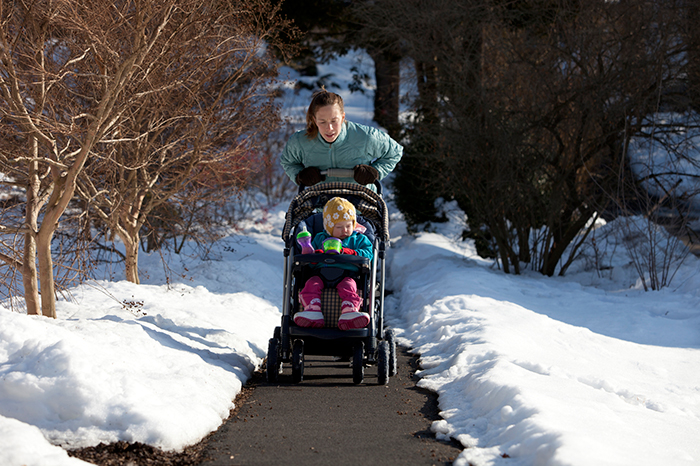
(327, 420)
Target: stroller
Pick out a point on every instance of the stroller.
(363, 346)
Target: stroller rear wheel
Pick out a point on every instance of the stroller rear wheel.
(298, 361)
(383, 357)
(358, 367)
(390, 338)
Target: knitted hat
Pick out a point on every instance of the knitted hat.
(336, 210)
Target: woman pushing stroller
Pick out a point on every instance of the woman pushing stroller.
(339, 223)
(330, 141)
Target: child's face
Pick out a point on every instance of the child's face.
(343, 229)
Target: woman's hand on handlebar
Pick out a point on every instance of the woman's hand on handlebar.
(365, 174)
(309, 176)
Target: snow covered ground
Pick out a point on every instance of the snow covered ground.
(585, 369)
(552, 371)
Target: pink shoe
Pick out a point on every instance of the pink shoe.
(350, 318)
(313, 319)
(314, 305)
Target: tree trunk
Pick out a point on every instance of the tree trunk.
(61, 195)
(30, 278)
(48, 289)
(565, 232)
(524, 244)
(128, 232)
(427, 91)
(692, 40)
(131, 247)
(386, 97)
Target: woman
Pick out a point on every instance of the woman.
(330, 141)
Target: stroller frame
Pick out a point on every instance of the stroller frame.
(365, 346)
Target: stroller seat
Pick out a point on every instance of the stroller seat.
(331, 276)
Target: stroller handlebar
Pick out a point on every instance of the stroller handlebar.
(339, 172)
(343, 173)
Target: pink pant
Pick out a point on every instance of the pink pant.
(347, 290)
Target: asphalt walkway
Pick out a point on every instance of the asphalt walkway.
(327, 420)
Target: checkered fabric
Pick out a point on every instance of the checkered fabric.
(368, 203)
(330, 306)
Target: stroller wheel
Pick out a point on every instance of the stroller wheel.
(298, 361)
(358, 368)
(273, 360)
(390, 337)
(383, 357)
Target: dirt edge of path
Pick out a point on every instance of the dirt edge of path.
(121, 453)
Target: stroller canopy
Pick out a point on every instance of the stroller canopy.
(368, 203)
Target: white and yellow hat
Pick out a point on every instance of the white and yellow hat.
(337, 210)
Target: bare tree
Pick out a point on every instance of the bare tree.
(72, 75)
(204, 112)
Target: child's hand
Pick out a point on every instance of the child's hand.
(349, 251)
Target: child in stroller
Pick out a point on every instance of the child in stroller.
(339, 221)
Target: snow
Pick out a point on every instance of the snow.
(547, 371)
(530, 370)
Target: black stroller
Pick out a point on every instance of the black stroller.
(365, 346)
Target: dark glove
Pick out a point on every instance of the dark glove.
(365, 174)
(309, 176)
(349, 251)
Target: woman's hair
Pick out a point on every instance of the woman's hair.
(320, 99)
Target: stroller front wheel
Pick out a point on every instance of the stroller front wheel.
(298, 361)
(358, 366)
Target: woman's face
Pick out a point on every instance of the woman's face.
(329, 120)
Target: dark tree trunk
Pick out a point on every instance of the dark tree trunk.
(386, 98)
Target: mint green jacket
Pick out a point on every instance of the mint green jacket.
(356, 144)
